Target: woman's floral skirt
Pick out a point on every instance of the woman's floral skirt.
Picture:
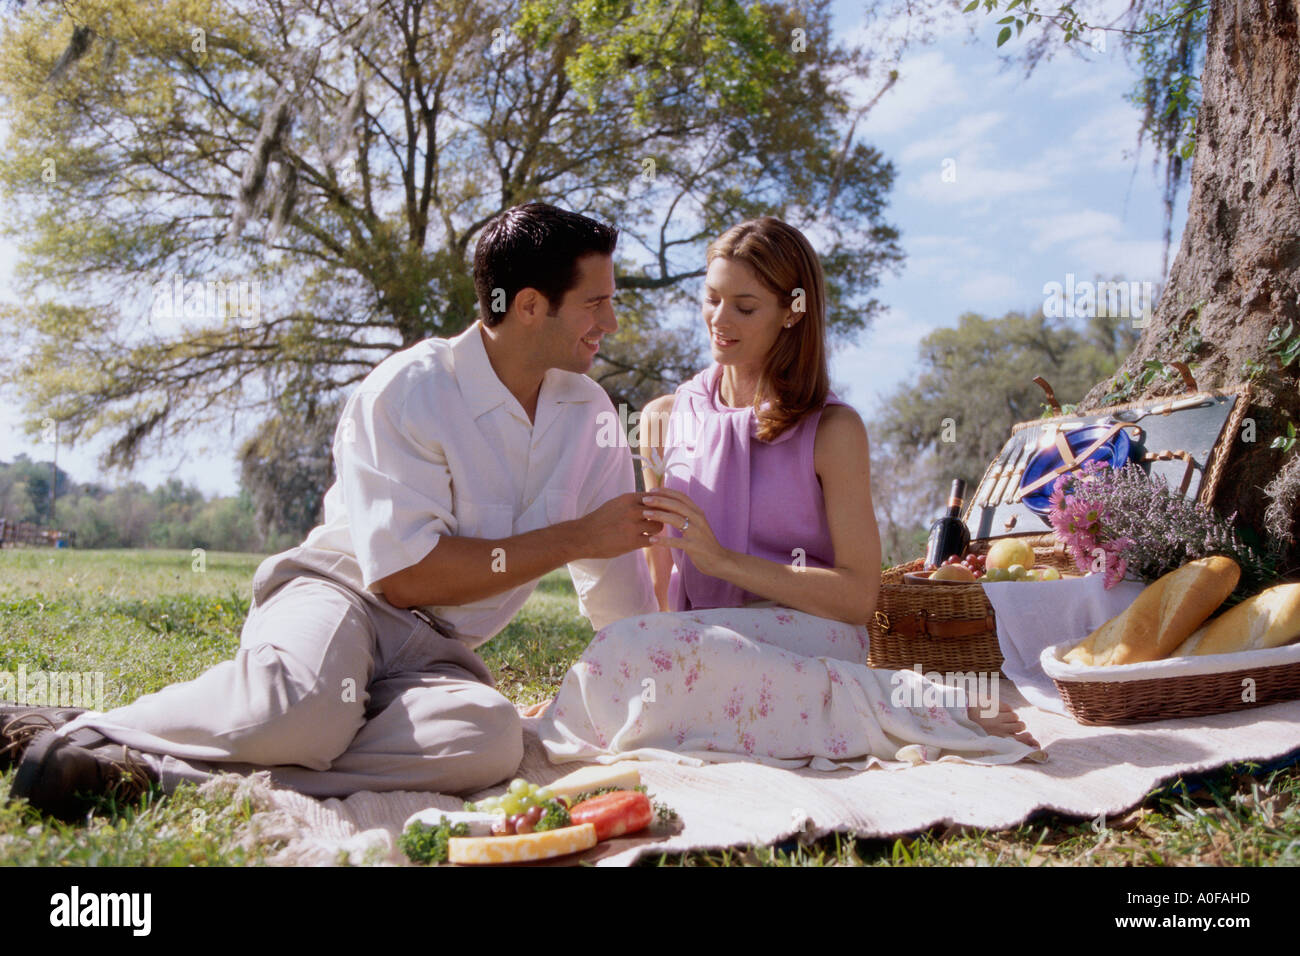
(765, 684)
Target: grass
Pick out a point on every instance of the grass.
(145, 619)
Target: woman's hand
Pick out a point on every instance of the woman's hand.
(674, 508)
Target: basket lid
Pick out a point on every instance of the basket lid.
(1184, 439)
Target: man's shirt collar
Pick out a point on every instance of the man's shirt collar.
(483, 391)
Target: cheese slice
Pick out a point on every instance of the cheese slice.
(522, 847)
(586, 779)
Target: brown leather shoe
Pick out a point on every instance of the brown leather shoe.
(62, 776)
(20, 723)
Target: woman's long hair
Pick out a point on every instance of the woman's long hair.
(794, 380)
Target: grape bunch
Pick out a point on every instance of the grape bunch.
(973, 562)
(524, 807)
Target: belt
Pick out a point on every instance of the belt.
(433, 622)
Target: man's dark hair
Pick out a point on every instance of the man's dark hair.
(536, 246)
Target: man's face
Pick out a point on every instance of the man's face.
(571, 337)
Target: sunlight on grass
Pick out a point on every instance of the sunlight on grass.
(146, 619)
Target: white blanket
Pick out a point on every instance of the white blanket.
(1091, 771)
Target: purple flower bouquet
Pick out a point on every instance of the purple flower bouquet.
(1123, 522)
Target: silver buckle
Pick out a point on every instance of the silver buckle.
(431, 621)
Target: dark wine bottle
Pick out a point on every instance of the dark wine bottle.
(949, 534)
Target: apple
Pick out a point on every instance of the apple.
(953, 572)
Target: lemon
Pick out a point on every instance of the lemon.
(1009, 551)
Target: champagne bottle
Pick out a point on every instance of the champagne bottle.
(949, 534)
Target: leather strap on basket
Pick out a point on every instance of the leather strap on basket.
(921, 624)
(1180, 455)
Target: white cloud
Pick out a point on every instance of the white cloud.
(884, 357)
(989, 288)
(1094, 79)
(1096, 242)
(927, 81)
(966, 134)
(978, 180)
(942, 258)
(1102, 140)
(1070, 227)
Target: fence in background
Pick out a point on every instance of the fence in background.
(19, 534)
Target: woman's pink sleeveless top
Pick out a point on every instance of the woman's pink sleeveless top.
(761, 498)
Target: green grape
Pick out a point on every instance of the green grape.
(543, 794)
(510, 804)
(519, 785)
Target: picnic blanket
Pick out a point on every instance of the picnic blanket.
(1089, 771)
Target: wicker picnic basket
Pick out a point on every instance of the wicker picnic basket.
(952, 627)
(944, 627)
(1169, 698)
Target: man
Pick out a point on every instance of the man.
(465, 470)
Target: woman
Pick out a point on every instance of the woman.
(769, 561)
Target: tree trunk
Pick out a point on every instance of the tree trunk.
(1237, 272)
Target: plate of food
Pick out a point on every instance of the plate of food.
(530, 823)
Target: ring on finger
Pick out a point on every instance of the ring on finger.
(686, 524)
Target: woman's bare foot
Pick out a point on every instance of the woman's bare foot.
(1004, 723)
(535, 710)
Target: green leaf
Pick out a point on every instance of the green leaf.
(1004, 36)
(1020, 26)
(971, 6)
(1007, 20)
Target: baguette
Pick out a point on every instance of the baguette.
(1269, 619)
(1162, 617)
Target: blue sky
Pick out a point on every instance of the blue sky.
(1043, 188)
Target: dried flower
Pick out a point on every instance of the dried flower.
(1142, 529)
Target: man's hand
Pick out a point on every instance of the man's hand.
(459, 570)
(617, 527)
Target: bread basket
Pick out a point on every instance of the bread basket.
(1175, 687)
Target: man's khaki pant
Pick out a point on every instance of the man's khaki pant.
(334, 691)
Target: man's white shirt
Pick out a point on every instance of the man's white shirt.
(433, 443)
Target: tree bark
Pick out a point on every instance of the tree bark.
(1237, 272)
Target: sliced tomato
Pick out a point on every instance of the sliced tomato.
(614, 814)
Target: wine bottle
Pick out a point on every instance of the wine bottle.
(949, 534)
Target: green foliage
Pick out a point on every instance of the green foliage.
(287, 466)
(644, 44)
(1171, 51)
(554, 816)
(346, 162)
(1284, 342)
(426, 844)
(1126, 385)
(1285, 442)
(172, 515)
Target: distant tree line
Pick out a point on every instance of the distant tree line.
(173, 515)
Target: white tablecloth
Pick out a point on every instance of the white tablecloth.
(1033, 615)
